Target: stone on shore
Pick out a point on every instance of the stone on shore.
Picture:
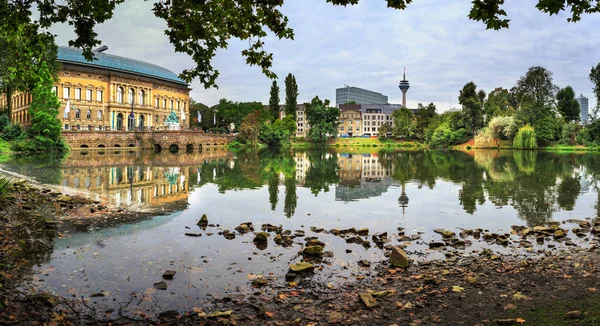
(162, 285)
(399, 258)
(575, 314)
(261, 237)
(44, 298)
(301, 267)
(168, 275)
(203, 221)
(313, 251)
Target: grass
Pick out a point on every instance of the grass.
(361, 142)
(4, 146)
(554, 314)
(576, 148)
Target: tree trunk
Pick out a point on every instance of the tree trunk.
(9, 103)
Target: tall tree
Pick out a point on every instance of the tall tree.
(291, 95)
(567, 105)
(44, 110)
(274, 101)
(404, 123)
(497, 104)
(323, 120)
(536, 87)
(472, 110)
(595, 79)
(423, 117)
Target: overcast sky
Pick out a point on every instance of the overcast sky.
(368, 45)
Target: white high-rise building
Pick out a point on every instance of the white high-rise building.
(583, 106)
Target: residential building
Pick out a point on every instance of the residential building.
(361, 176)
(112, 93)
(583, 107)
(376, 115)
(350, 120)
(348, 94)
(302, 126)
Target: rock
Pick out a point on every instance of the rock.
(290, 276)
(299, 233)
(354, 239)
(596, 229)
(404, 238)
(162, 285)
(348, 251)
(465, 233)
(436, 245)
(63, 198)
(415, 237)
(229, 235)
(271, 228)
(193, 235)
(363, 232)
(368, 300)
(43, 298)
(524, 232)
(203, 221)
(301, 267)
(335, 231)
(168, 314)
(261, 237)
(244, 228)
(258, 282)
(314, 242)
(460, 244)
(313, 251)
(380, 294)
(168, 274)
(97, 295)
(575, 314)
(559, 234)
(364, 263)
(399, 258)
(542, 229)
(448, 235)
(501, 240)
(328, 254)
(216, 314)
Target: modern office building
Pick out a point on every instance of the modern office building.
(360, 96)
(584, 107)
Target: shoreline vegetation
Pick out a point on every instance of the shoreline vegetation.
(462, 286)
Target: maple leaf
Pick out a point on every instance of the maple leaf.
(457, 289)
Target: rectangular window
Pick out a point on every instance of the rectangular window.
(55, 90)
(156, 102)
(164, 104)
(78, 93)
(88, 94)
(66, 92)
(99, 96)
(171, 104)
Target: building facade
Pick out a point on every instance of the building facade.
(113, 93)
(350, 120)
(302, 126)
(584, 108)
(359, 96)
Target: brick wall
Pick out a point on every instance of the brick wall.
(145, 139)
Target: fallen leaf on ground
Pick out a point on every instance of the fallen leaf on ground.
(457, 289)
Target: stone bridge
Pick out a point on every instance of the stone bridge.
(167, 139)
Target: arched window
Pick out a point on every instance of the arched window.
(99, 115)
(77, 114)
(89, 114)
(142, 100)
(130, 95)
(119, 121)
(141, 122)
(120, 94)
(130, 122)
(157, 118)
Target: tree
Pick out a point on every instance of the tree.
(200, 28)
(232, 113)
(404, 123)
(536, 87)
(471, 106)
(291, 95)
(595, 79)
(384, 130)
(323, 120)
(274, 101)
(423, 118)
(567, 105)
(250, 129)
(202, 120)
(498, 104)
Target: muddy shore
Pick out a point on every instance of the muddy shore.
(557, 286)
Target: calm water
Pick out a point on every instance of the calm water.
(418, 191)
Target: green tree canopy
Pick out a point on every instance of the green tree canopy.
(404, 123)
(203, 120)
(323, 120)
(536, 87)
(291, 95)
(200, 28)
(498, 104)
(472, 109)
(423, 118)
(274, 101)
(595, 79)
(567, 105)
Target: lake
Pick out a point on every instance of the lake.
(303, 191)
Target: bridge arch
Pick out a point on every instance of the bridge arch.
(174, 147)
(116, 145)
(84, 146)
(156, 147)
(101, 146)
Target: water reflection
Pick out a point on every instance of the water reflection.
(535, 184)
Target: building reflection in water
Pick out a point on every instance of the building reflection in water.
(361, 176)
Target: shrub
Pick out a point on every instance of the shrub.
(525, 138)
(38, 144)
(13, 132)
(485, 138)
(444, 136)
(569, 133)
(503, 127)
(4, 122)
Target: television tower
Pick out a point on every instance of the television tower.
(404, 86)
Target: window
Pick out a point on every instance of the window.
(171, 104)
(66, 92)
(66, 114)
(120, 95)
(55, 90)
(99, 115)
(88, 94)
(183, 106)
(142, 97)
(130, 95)
(156, 102)
(164, 103)
(99, 96)
(342, 128)
(78, 93)
(157, 119)
(77, 114)
(89, 114)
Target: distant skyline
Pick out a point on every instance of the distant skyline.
(368, 45)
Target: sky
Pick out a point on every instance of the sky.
(368, 45)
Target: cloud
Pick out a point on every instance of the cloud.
(368, 45)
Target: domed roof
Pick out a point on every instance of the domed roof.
(117, 63)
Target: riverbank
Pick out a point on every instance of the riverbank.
(361, 142)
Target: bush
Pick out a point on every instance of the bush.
(525, 138)
(503, 127)
(444, 136)
(38, 144)
(569, 133)
(235, 144)
(4, 122)
(485, 138)
(13, 132)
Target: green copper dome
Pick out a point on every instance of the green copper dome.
(117, 63)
